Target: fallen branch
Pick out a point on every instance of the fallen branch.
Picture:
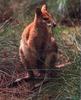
(18, 81)
(64, 64)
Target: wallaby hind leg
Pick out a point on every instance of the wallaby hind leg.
(25, 64)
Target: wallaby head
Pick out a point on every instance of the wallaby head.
(47, 16)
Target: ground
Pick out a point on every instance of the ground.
(63, 87)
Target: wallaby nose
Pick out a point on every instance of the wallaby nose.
(54, 24)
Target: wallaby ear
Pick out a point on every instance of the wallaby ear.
(38, 12)
(44, 8)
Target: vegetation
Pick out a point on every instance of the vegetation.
(64, 87)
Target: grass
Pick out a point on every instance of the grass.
(61, 88)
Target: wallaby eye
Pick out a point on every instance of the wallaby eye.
(45, 18)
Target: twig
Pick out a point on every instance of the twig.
(59, 94)
(42, 84)
(5, 73)
(5, 23)
(40, 88)
(64, 64)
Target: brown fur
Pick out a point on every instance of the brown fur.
(51, 48)
(34, 44)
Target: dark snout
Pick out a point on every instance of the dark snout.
(54, 24)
